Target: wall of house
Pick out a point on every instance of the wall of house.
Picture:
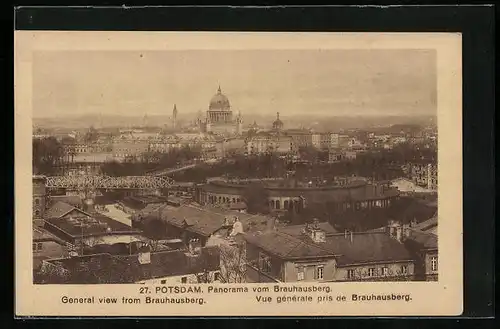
(361, 272)
(291, 270)
(429, 273)
(47, 249)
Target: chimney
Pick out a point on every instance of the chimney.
(399, 233)
(352, 237)
(195, 246)
(314, 232)
(144, 257)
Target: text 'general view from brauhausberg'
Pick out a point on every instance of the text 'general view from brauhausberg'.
(244, 166)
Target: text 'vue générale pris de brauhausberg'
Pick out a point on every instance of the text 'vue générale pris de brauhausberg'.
(200, 295)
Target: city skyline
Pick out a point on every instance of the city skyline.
(319, 82)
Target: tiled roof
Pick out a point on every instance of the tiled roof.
(98, 225)
(40, 234)
(206, 221)
(106, 268)
(427, 224)
(60, 209)
(364, 248)
(286, 246)
(296, 230)
(423, 239)
(176, 262)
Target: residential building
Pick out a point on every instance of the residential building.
(46, 246)
(422, 241)
(195, 265)
(86, 228)
(318, 256)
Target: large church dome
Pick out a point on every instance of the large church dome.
(219, 102)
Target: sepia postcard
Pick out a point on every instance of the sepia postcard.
(238, 174)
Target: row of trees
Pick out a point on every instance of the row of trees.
(136, 166)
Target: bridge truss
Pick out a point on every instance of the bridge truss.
(81, 182)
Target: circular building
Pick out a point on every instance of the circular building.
(283, 195)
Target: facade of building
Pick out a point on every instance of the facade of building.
(422, 241)
(220, 118)
(264, 143)
(46, 246)
(129, 148)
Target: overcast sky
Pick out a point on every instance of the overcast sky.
(330, 82)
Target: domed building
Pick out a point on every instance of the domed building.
(278, 124)
(219, 117)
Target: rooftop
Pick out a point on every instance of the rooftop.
(80, 222)
(107, 268)
(425, 240)
(208, 220)
(40, 235)
(363, 248)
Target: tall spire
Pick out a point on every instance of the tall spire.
(219, 90)
(277, 115)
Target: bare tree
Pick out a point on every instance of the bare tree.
(233, 263)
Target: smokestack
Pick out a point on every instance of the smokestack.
(351, 237)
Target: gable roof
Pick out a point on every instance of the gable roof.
(59, 209)
(364, 248)
(286, 246)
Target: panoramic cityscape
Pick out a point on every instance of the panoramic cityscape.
(321, 168)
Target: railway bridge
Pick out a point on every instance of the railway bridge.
(97, 182)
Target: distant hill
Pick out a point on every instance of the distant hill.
(317, 122)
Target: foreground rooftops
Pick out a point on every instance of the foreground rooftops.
(348, 249)
(107, 268)
(207, 220)
(74, 222)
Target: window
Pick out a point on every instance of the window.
(216, 276)
(404, 269)
(37, 213)
(37, 202)
(37, 246)
(385, 271)
(319, 273)
(434, 263)
(350, 274)
(184, 279)
(300, 273)
(163, 281)
(371, 272)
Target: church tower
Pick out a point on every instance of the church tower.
(39, 199)
(239, 124)
(174, 117)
